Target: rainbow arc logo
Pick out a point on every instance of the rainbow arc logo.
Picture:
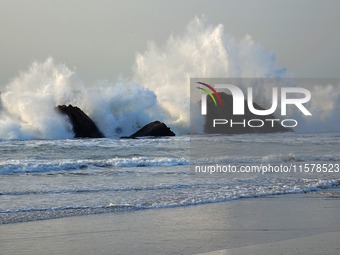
(211, 92)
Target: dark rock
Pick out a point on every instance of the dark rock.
(225, 111)
(155, 128)
(83, 126)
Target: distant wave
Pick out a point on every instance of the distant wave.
(34, 166)
(291, 157)
(70, 191)
(66, 165)
(274, 158)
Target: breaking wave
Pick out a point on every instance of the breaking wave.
(159, 88)
(34, 165)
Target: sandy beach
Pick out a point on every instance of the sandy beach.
(288, 224)
(326, 243)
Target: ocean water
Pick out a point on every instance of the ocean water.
(42, 179)
(44, 173)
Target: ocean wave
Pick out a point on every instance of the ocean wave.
(158, 89)
(291, 157)
(119, 109)
(70, 191)
(39, 213)
(273, 158)
(33, 165)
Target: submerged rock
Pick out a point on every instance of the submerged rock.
(83, 126)
(155, 128)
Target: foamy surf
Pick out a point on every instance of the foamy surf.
(36, 165)
(59, 178)
(158, 89)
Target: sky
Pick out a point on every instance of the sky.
(100, 38)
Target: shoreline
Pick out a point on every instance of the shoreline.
(80, 212)
(222, 228)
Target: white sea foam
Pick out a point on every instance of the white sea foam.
(34, 165)
(159, 88)
(204, 51)
(29, 103)
(193, 195)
